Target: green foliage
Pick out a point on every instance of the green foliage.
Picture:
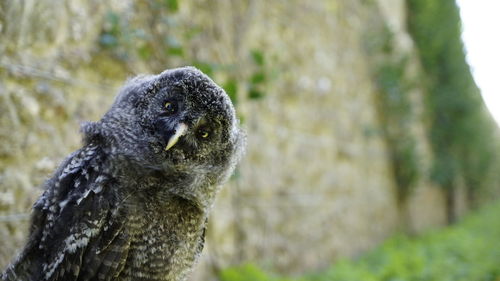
(231, 88)
(172, 5)
(248, 272)
(461, 133)
(151, 39)
(258, 57)
(206, 67)
(468, 251)
(397, 115)
(259, 76)
(109, 38)
(395, 108)
(157, 41)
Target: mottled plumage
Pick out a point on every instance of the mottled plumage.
(133, 202)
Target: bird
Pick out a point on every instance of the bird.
(133, 202)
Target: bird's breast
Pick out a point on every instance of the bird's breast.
(164, 244)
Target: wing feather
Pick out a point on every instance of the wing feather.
(77, 231)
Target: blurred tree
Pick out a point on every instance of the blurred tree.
(461, 133)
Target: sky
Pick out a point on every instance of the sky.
(481, 36)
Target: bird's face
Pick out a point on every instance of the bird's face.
(191, 120)
(182, 121)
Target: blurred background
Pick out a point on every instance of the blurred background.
(363, 120)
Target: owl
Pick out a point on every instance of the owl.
(133, 202)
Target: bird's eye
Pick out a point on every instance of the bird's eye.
(170, 108)
(203, 133)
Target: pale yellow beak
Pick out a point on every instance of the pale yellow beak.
(180, 130)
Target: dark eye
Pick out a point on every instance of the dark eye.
(170, 108)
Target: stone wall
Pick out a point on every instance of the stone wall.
(317, 181)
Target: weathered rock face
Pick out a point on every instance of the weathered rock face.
(317, 182)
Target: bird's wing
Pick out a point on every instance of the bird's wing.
(95, 247)
(77, 231)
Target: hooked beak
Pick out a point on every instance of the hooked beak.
(180, 130)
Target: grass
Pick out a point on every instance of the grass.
(468, 251)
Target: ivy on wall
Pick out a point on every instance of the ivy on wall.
(394, 105)
(159, 42)
(398, 118)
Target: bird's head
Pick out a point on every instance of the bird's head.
(178, 124)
